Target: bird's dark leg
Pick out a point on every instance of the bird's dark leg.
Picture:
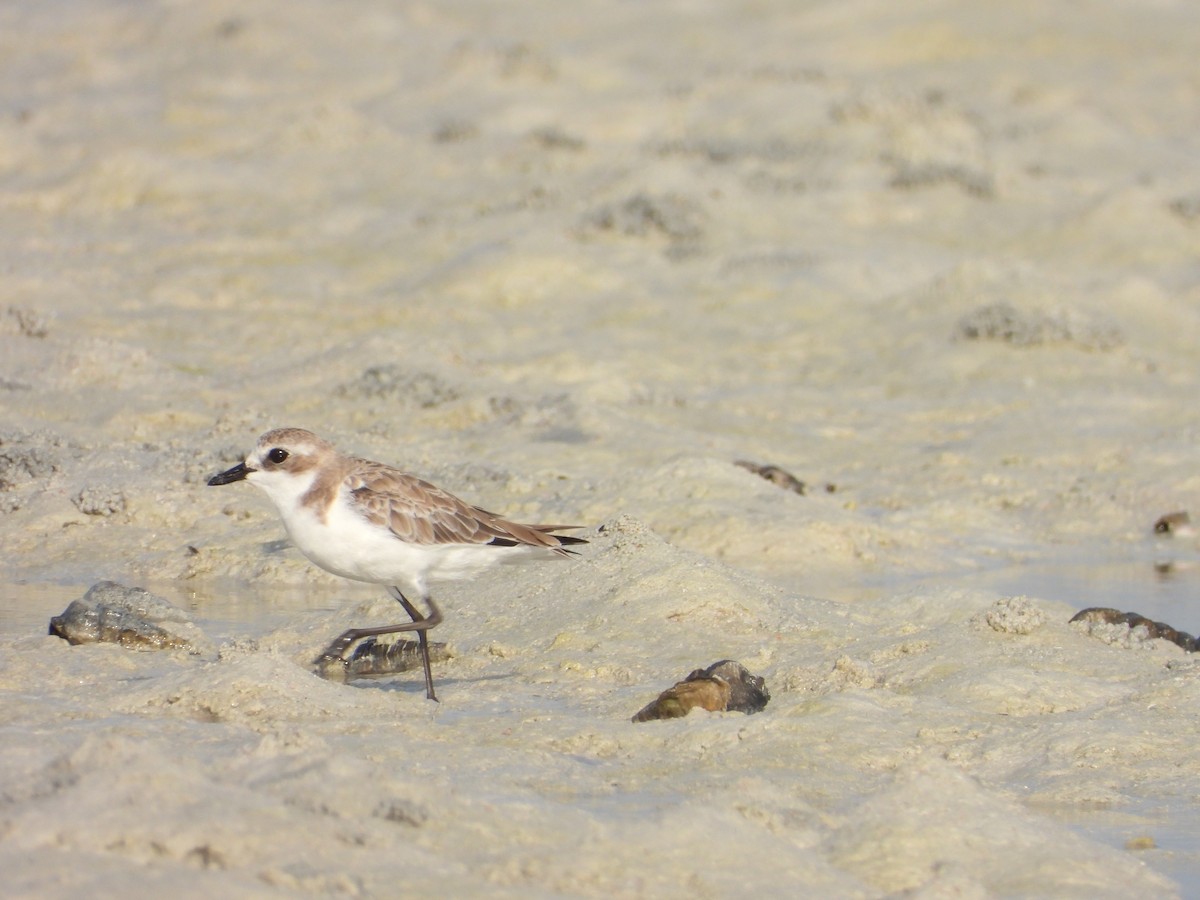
(334, 657)
(429, 621)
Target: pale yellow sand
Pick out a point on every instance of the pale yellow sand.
(571, 261)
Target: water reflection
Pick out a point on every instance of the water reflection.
(1159, 579)
(222, 608)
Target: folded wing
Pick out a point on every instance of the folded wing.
(422, 513)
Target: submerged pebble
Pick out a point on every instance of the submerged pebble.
(1005, 323)
(1176, 524)
(410, 387)
(724, 686)
(678, 219)
(111, 613)
(1099, 615)
(775, 475)
(93, 501)
(25, 322)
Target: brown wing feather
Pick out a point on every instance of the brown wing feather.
(422, 513)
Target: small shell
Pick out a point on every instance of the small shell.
(747, 693)
(379, 658)
(678, 701)
(723, 686)
(132, 617)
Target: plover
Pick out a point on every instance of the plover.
(370, 522)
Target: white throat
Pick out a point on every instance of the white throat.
(284, 488)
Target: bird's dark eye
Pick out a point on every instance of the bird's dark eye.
(277, 455)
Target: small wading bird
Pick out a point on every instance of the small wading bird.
(370, 522)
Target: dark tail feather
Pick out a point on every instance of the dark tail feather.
(563, 539)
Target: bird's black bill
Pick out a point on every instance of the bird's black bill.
(237, 473)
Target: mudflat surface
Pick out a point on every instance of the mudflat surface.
(573, 262)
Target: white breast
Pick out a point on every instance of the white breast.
(345, 543)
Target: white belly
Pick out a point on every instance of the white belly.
(348, 545)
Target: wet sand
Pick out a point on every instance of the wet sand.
(573, 262)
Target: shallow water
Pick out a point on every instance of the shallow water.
(1150, 581)
(1158, 581)
(1165, 591)
(1174, 829)
(1160, 584)
(225, 610)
